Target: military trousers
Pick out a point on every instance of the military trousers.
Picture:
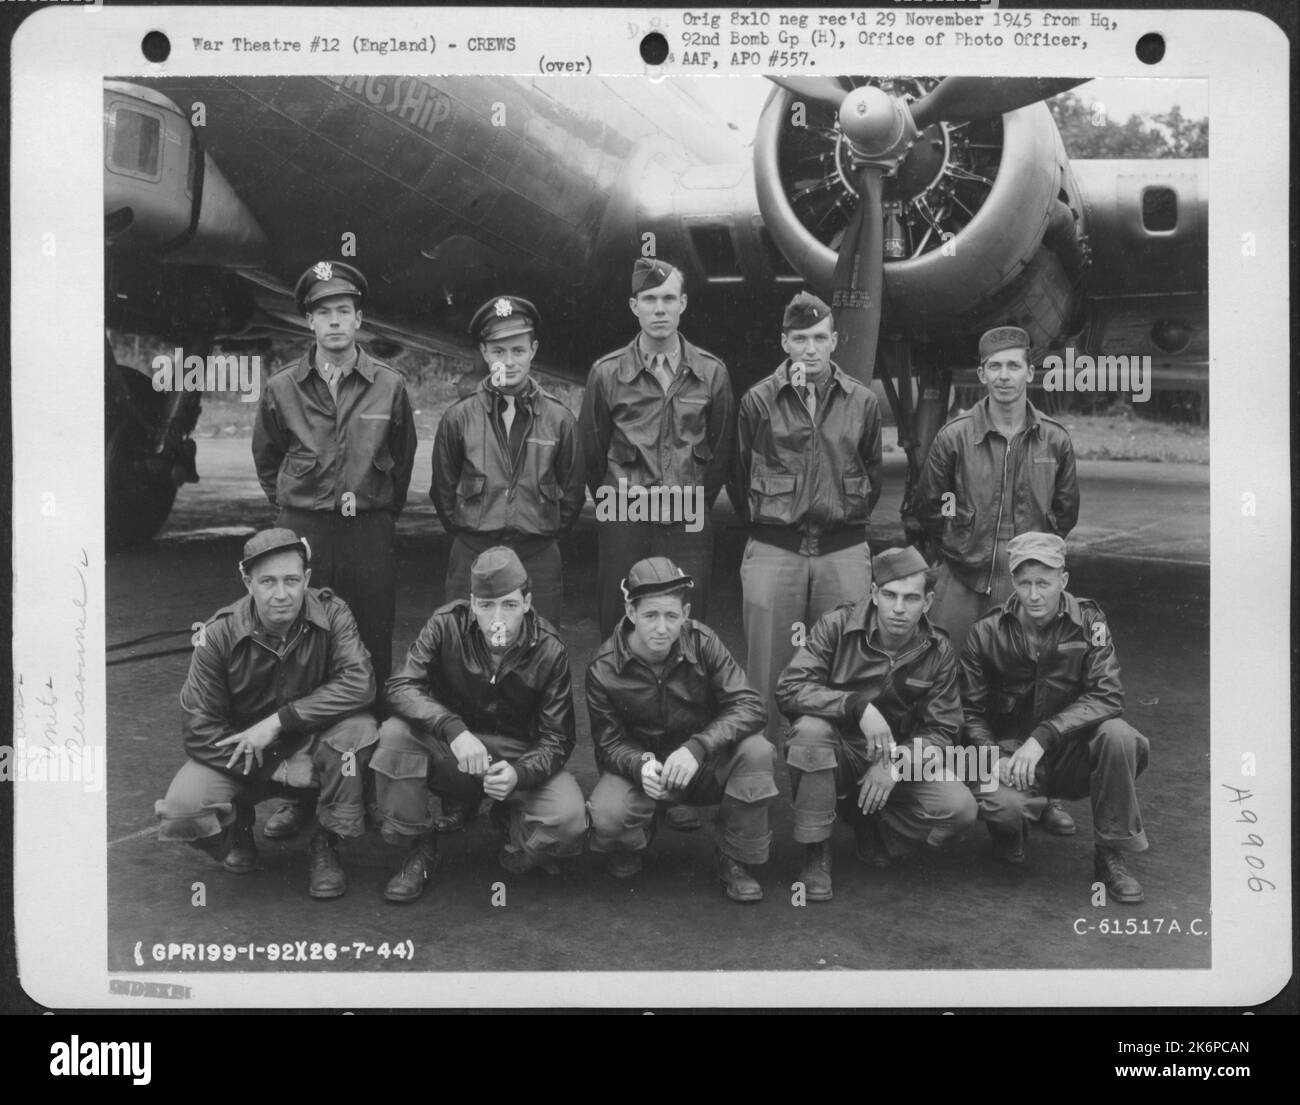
(739, 782)
(546, 820)
(958, 606)
(1102, 767)
(203, 801)
(782, 588)
(354, 557)
(826, 769)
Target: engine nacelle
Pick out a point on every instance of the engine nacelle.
(960, 270)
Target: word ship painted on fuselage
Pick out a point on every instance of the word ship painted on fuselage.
(410, 99)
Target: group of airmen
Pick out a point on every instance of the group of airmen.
(858, 667)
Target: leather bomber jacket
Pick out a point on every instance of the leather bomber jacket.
(446, 686)
(310, 451)
(237, 678)
(478, 488)
(703, 701)
(631, 429)
(811, 480)
(1073, 686)
(841, 669)
(1041, 488)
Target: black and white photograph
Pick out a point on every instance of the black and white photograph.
(754, 520)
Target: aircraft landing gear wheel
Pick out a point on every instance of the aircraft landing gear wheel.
(138, 495)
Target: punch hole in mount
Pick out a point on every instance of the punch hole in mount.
(156, 47)
(654, 48)
(1151, 48)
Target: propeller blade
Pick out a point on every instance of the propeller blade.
(967, 99)
(859, 280)
(823, 90)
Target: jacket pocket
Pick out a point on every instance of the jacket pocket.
(623, 461)
(857, 490)
(959, 533)
(470, 500)
(297, 465)
(295, 486)
(549, 506)
(701, 457)
(771, 499)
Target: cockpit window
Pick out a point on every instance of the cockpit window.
(134, 143)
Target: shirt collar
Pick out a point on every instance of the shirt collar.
(984, 423)
(673, 354)
(685, 646)
(522, 399)
(863, 620)
(834, 376)
(247, 623)
(364, 364)
(1069, 608)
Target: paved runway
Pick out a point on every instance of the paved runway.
(1142, 551)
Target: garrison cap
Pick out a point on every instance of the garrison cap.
(269, 541)
(649, 273)
(803, 311)
(656, 575)
(497, 571)
(326, 278)
(1046, 548)
(1000, 338)
(892, 564)
(504, 316)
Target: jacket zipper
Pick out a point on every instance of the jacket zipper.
(997, 526)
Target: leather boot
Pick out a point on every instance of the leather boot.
(327, 878)
(288, 820)
(741, 886)
(623, 865)
(241, 856)
(1008, 844)
(816, 872)
(868, 844)
(454, 817)
(682, 818)
(1055, 820)
(418, 867)
(1109, 867)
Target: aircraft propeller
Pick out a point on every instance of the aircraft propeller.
(878, 130)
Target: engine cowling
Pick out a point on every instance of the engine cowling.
(971, 208)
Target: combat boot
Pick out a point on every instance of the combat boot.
(327, 878)
(241, 854)
(682, 818)
(741, 886)
(816, 872)
(1109, 868)
(418, 867)
(287, 821)
(1008, 844)
(1055, 819)
(623, 865)
(868, 845)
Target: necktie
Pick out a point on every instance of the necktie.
(810, 399)
(331, 374)
(508, 415)
(662, 372)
